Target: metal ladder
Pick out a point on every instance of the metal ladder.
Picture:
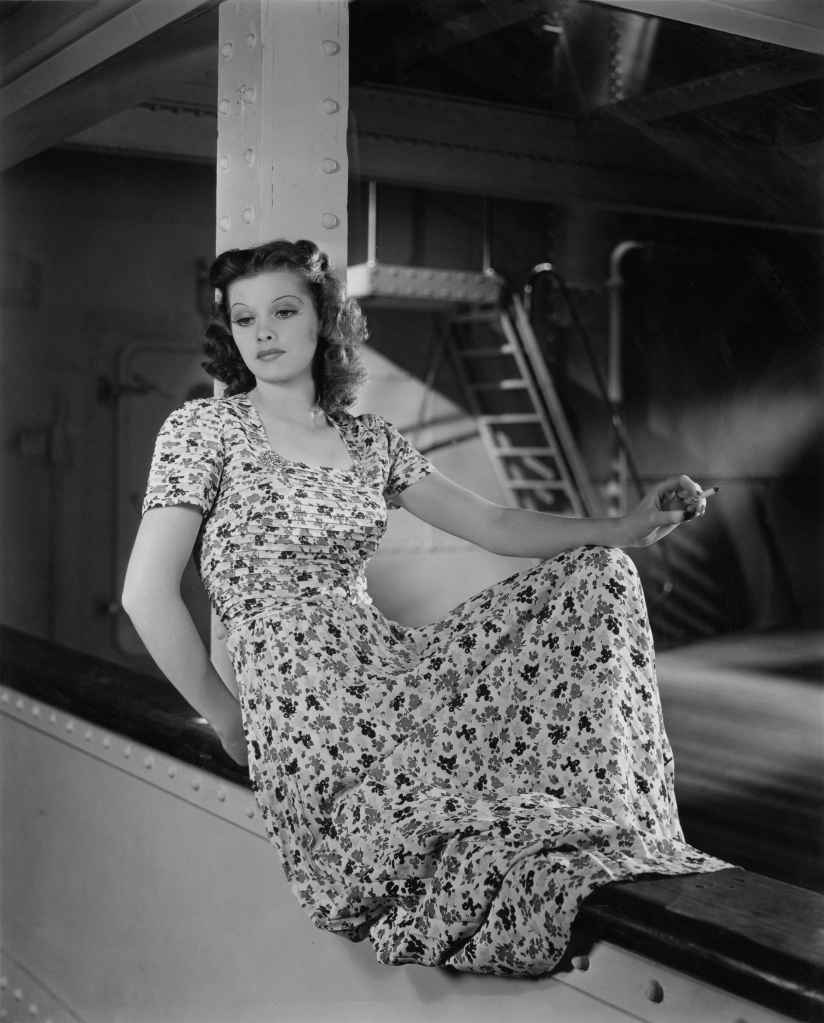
(511, 394)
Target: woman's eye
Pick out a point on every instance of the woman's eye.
(284, 313)
(243, 321)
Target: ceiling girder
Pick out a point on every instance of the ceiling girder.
(739, 83)
(126, 28)
(796, 24)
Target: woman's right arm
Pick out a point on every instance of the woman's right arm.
(152, 599)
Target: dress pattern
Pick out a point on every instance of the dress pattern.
(452, 792)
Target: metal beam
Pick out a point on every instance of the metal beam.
(124, 81)
(726, 87)
(282, 167)
(283, 100)
(120, 32)
(796, 24)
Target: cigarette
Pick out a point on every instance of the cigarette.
(709, 491)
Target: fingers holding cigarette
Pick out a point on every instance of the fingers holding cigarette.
(688, 496)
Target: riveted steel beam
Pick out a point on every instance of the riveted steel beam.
(796, 24)
(726, 87)
(282, 119)
(124, 29)
(282, 164)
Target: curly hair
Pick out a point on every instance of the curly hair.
(337, 366)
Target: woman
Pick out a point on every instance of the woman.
(452, 791)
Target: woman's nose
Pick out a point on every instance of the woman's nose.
(266, 333)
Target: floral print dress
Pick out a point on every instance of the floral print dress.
(451, 792)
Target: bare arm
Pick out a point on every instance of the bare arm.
(151, 598)
(521, 532)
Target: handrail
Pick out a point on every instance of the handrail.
(616, 418)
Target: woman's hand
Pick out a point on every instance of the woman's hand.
(233, 740)
(663, 509)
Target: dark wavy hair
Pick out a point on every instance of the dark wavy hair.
(337, 366)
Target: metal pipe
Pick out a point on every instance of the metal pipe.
(372, 224)
(617, 487)
(486, 241)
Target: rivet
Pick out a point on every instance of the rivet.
(33, 1010)
(227, 49)
(250, 812)
(52, 717)
(88, 734)
(127, 751)
(330, 47)
(70, 725)
(329, 166)
(18, 994)
(581, 963)
(248, 215)
(330, 106)
(4, 983)
(225, 223)
(224, 106)
(251, 39)
(221, 794)
(5, 696)
(18, 703)
(224, 163)
(329, 220)
(220, 633)
(654, 992)
(195, 784)
(247, 94)
(148, 761)
(36, 710)
(172, 772)
(249, 156)
(107, 741)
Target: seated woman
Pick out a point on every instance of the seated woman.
(454, 791)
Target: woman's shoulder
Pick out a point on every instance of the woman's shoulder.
(196, 417)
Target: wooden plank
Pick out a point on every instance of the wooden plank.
(756, 936)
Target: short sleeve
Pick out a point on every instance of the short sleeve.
(187, 462)
(406, 465)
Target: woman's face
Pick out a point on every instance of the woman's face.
(274, 324)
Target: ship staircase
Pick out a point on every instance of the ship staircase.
(505, 381)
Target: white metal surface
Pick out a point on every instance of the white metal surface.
(282, 118)
(137, 896)
(421, 285)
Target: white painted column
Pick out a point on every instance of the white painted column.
(282, 166)
(283, 94)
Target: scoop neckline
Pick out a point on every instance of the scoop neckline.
(257, 421)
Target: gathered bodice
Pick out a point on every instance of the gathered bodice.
(276, 529)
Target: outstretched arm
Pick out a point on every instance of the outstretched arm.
(522, 532)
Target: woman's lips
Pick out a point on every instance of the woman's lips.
(270, 355)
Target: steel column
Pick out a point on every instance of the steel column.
(282, 117)
(282, 168)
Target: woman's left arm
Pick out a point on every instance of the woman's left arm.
(522, 532)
